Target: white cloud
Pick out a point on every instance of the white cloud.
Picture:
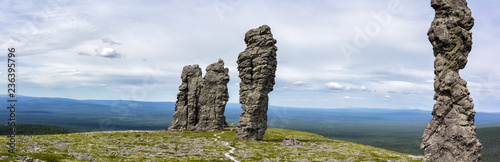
(354, 98)
(387, 97)
(54, 38)
(299, 83)
(333, 85)
(108, 52)
(338, 86)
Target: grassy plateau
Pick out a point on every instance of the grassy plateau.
(165, 145)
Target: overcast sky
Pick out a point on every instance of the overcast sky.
(331, 54)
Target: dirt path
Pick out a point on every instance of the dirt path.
(227, 154)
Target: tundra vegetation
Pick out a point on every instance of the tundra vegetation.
(189, 145)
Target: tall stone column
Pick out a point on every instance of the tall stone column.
(213, 98)
(187, 105)
(257, 68)
(451, 134)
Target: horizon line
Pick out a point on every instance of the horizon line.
(402, 108)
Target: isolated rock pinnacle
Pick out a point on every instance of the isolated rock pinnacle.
(213, 98)
(257, 68)
(187, 105)
(451, 133)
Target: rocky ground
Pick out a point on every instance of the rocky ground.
(192, 146)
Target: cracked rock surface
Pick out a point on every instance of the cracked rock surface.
(257, 68)
(213, 98)
(187, 106)
(451, 133)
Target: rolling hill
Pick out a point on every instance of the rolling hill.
(193, 146)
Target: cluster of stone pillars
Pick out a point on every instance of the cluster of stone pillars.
(201, 102)
(449, 136)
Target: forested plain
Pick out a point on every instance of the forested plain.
(393, 129)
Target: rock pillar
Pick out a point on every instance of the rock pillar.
(213, 98)
(257, 67)
(451, 134)
(187, 105)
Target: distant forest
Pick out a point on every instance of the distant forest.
(35, 129)
(490, 138)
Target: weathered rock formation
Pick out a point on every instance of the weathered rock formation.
(451, 134)
(187, 105)
(213, 98)
(257, 67)
(201, 102)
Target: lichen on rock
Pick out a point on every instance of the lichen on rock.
(257, 68)
(213, 98)
(451, 133)
(187, 105)
(201, 102)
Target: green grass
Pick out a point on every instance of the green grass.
(197, 146)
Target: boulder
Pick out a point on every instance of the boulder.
(288, 141)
